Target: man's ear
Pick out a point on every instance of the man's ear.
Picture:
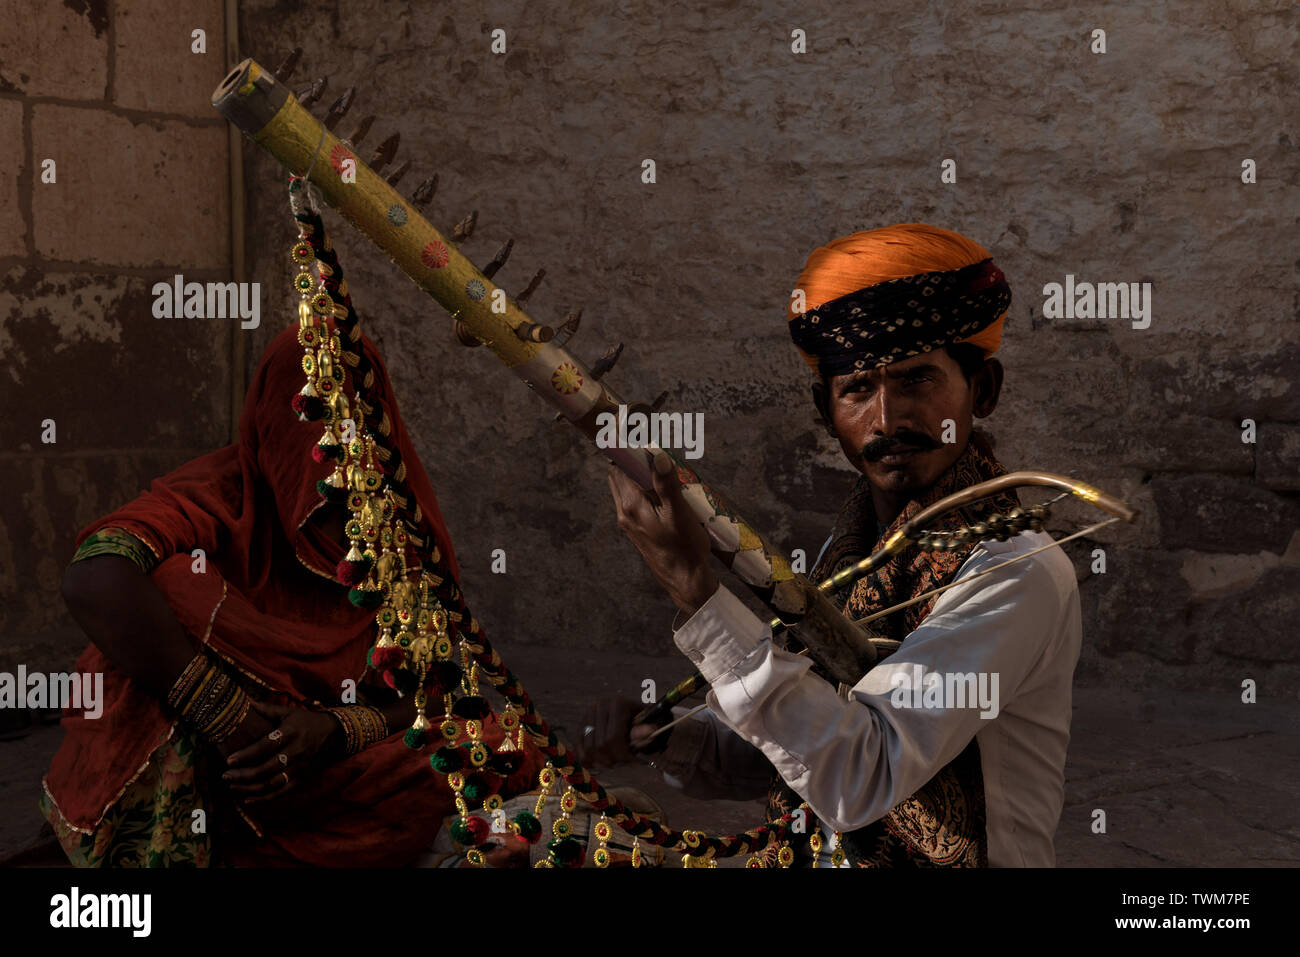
(821, 397)
(988, 386)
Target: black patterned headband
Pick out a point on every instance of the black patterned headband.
(901, 318)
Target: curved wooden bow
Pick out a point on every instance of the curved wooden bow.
(914, 533)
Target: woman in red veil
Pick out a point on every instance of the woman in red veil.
(234, 555)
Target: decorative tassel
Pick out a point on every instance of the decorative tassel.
(477, 787)
(366, 598)
(566, 851)
(470, 831)
(331, 493)
(309, 407)
(528, 827)
(327, 453)
(446, 760)
(386, 658)
(354, 568)
(415, 738)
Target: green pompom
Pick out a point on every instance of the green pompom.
(476, 789)
(366, 597)
(331, 493)
(566, 851)
(414, 738)
(446, 760)
(461, 834)
(529, 827)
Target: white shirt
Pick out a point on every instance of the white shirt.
(853, 761)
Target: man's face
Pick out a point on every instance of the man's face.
(890, 420)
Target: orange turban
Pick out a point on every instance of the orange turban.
(869, 257)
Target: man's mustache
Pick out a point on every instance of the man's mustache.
(884, 445)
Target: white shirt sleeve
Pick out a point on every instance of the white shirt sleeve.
(855, 760)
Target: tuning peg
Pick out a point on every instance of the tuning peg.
(398, 173)
(606, 362)
(424, 192)
(357, 135)
(339, 108)
(465, 228)
(530, 288)
(385, 152)
(568, 328)
(499, 259)
(289, 65)
(464, 336)
(534, 332)
(308, 95)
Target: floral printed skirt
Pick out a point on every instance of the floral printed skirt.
(153, 823)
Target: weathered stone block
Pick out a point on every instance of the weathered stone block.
(55, 49)
(1218, 514)
(1278, 463)
(155, 66)
(13, 230)
(86, 351)
(130, 194)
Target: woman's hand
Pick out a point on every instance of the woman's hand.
(296, 742)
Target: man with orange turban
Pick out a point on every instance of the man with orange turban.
(951, 751)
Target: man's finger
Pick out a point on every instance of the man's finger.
(586, 741)
(666, 485)
(629, 498)
(624, 499)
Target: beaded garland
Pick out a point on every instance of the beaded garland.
(394, 566)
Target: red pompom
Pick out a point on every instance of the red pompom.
(351, 573)
(386, 658)
(390, 679)
(318, 453)
(479, 828)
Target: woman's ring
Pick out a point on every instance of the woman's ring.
(282, 758)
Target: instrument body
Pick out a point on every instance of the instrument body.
(264, 109)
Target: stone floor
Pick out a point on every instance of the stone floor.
(1185, 779)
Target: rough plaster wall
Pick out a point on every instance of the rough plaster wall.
(1120, 167)
(115, 96)
(1116, 167)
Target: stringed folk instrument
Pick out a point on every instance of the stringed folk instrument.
(263, 107)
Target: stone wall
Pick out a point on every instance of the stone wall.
(1123, 166)
(138, 191)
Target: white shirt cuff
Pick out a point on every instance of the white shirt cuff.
(721, 634)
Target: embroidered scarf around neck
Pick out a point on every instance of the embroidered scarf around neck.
(942, 824)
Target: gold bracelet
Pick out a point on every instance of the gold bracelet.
(208, 699)
(183, 687)
(362, 726)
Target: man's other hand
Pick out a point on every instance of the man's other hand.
(608, 734)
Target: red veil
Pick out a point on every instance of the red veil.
(269, 605)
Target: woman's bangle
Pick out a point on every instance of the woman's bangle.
(208, 699)
(362, 726)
